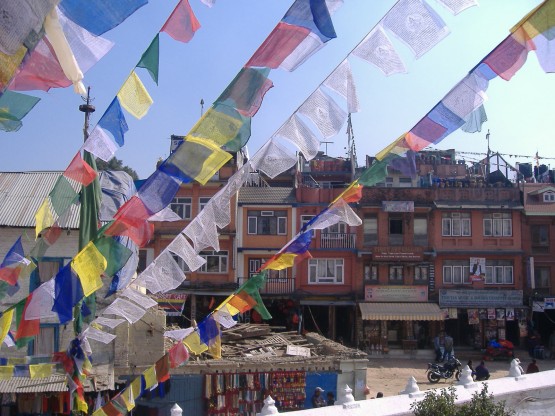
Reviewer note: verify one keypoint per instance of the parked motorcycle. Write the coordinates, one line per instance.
(437, 371)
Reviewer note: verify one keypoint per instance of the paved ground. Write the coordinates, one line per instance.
(390, 375)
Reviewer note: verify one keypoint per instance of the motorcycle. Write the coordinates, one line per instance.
(437, 371)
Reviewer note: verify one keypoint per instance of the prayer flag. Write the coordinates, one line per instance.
(13, 263)
(510, 55)
(473, 122)
(242, 301)
(178, 354)
(99, 16)
(182, 23)
(158, 191)
(324, 112)
(136, 387)
(150, 377)
(424, 133)
(273, 158)
(280, 261)
(457, 6)
(181, 247)
(9, 65)
(162, 275)
(296, 131)
(100, 145)
(308, 47)
(99, 412)
(208, 330)
(313, 15)
(405, 164)
(13, 108)
(541, 21)
(126, 309)
(377, 49)
(115, 254)
(252, 287)
(163, 369)
(215, 349)
(246, 92)
(6, 372)
(194, 344)
(62, 196)
(224, 318)
(113, 120)
(353, 193)
(41, 305)
(80, 171)
(195, 158)
(374, 174)
(441, 115)
(342, 82)
(40, 370)
(150, 58)
(89, 264)
(134, 97)
(5, 323)
(26, 328)
(128, 398)
(67, 293)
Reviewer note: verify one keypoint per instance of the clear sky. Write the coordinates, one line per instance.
(519, 111)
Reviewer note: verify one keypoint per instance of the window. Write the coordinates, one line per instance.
(339, 228)
(541, 277)
(420, 274)
(540, 238)
(396, 274)
(305, 219)
(455, 224)
(395, 231)
(549, 197)
(46, 342)
(456, 272)
(325, 271)
(420, 231)
(498, 225)
(405, 182)
(146, 255)
(267, 222)
(499, 272)
(182, 207)
(371, 231)
(202, 201)
(216, 262)
(256, 264)
(371, 273)
(47, 269)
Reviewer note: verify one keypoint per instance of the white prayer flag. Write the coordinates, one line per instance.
(181, 247)
(341, 81)
(324, 112)
(224, 318)
(273, 159)
(457, 6)
(308, 47)
(140, 299)
(128, 310)
(41, 303)
(100, 144)
(300, 135)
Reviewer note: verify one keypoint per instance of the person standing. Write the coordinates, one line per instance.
(317, 398)
(439, 347)
(449, 349)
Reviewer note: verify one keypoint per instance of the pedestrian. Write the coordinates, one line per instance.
(532, 367)
(449, 349)
(317, 398)
(439, 347)
(330, 401)
(482, 373)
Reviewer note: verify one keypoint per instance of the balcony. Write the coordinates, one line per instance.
(275, 286)
(337, 240)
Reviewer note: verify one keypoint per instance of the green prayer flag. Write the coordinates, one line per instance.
(13, 107)
(116, 254)
(150, 58)
(375, 173)
(62, 196)
(252, 287)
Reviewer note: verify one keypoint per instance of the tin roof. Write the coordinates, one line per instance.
(266, 195)
(54, 383)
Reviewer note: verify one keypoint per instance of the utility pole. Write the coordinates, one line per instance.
(488, 156)
(351, 145)
(87, 109)
(201, 107)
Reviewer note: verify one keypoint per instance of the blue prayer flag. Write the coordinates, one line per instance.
(113, 120)
(67, 293)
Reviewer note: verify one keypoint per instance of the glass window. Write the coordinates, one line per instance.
(456, 272)
(182, 207)
(371, 272)
(455, 224)
(325, 271)
(549, 197)
(421, 273)
(420, 231)
(542, 278)
(539, 235)
(216, 261)
(47, 269)
(202, 201)
(499, 272)
(396, 274)
(46, 342)
(498, 225)
(339, 228)
(267, 222)
(370, 231)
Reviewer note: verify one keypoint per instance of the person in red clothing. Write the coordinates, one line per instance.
(532, 368)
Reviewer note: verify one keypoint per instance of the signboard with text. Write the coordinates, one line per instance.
(483, 298)
(396, 293)
(398, 206)
(402, 253)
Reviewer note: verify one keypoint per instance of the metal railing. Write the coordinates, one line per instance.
(337, 240)
(275, 286)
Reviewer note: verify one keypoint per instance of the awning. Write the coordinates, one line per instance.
(400, 311)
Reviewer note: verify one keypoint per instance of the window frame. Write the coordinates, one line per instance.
(498, 224)
(338, 268)
(456, 224)
(370, 231)
(186, 204)
(208, 254)
(254, 221)
(202, 204)
(395, 274)
(371, 273)
(456, 272)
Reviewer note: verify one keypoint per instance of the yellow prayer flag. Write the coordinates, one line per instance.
(5, 323)
(10, 63)
(539, 20)
(395, 148)
(40, 370)
(217, 127)
(192, 341)
(128, 398)
(82, 405)
(282, 261)
(134, 97)
(89, 265)
(99, 412)
(43, 218)
(150, 377)
(136, 387)
(232, 309)
(215, 350)
(16, 360)
(6, 372)
(221, 305)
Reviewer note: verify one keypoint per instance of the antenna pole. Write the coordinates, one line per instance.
(488, 159)
(87, 109)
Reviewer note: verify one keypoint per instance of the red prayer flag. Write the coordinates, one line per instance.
(283, 40)
(111, 410)
(65, 360)
(52, 234)
(80, 171)
(131, 221)
(242, 301)
(162, 367)
(10, 274)
(178, 355)
(182, 23)
(27, 327)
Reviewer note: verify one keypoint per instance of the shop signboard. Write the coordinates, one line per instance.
(398, 206)
(402, 253)
(396, 293)
(482, 298)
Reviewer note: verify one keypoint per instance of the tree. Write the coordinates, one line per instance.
(443, 404)
(116, 164)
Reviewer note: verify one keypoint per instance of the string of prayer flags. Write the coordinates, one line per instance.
(296, 131)
(150, 59)
(540, 21)
(202, 230)
(182, 23)
(134, 97)
(13, 108)
(13, 263)
(196, 159)
(416, 24)
(324, 112)
(377, 49)
(457, 6)
(99, 16)
(67, 293)
(313, 15)
(341, 81)
(247, 90)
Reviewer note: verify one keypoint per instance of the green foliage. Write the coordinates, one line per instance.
(442, 403)
(115, 164)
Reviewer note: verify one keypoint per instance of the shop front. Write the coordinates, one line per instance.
(474, 318)
(398, 317)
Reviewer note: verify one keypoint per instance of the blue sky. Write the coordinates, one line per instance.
(519, 111)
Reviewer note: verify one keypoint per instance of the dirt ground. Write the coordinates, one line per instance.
(390, 375)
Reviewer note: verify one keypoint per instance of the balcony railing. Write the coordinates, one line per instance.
(337, 240)
(275, 286)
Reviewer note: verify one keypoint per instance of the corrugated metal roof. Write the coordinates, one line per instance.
(266, 195)
(400, 311)
(21, 195)
(54, 383)
(478, 205)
